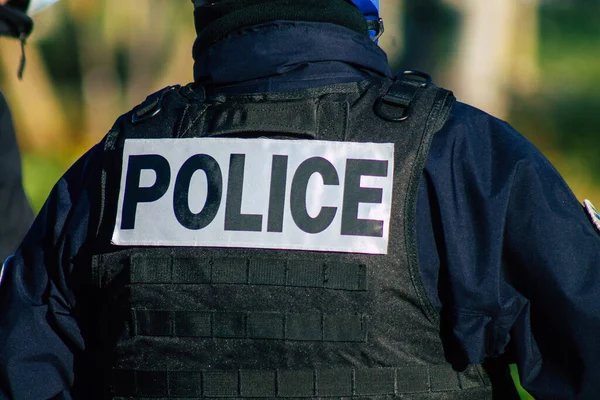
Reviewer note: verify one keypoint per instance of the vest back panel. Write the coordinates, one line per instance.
(203, 322)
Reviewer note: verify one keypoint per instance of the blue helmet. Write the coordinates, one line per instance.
(370, 9)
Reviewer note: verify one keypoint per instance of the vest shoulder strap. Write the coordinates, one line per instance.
(173, 111)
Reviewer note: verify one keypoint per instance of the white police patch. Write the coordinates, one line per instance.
(593, 213)
(256, 193)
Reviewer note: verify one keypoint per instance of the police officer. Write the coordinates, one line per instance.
(297, 224)
(15, 212)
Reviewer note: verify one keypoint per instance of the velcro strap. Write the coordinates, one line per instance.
(246, 325)
(302, 118)
(333, 383)
(298, 117)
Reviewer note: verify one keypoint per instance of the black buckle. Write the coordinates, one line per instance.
(151, 107)
(401, 94)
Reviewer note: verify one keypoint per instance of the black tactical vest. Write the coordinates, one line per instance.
(207, 322)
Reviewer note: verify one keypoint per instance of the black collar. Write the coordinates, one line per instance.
(286, 51)
(219, 19)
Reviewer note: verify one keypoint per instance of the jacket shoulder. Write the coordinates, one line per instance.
(478, 133)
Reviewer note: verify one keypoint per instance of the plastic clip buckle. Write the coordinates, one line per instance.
(151, 107)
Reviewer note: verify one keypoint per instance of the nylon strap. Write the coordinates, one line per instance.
(298, 118)
(301, 118)
(244, 271)
(334, 383)
(314, 327)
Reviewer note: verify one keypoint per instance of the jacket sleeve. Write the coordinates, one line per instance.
(15, 212)
(552, 258)
(39, 335)
(509, 258)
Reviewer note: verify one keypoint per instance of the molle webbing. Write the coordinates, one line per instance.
(315, 327)
(244, 271)
(331, 383)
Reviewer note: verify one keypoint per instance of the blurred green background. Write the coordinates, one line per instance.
(533, 63)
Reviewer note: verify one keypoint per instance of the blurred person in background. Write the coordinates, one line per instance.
(190, 254)
(16, 214)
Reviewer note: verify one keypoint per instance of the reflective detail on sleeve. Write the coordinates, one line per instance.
(592, 213)
(4, 264)
(241, 325)
(332, 383)
(248, 271)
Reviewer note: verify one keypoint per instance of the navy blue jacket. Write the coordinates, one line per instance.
(509, 257)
